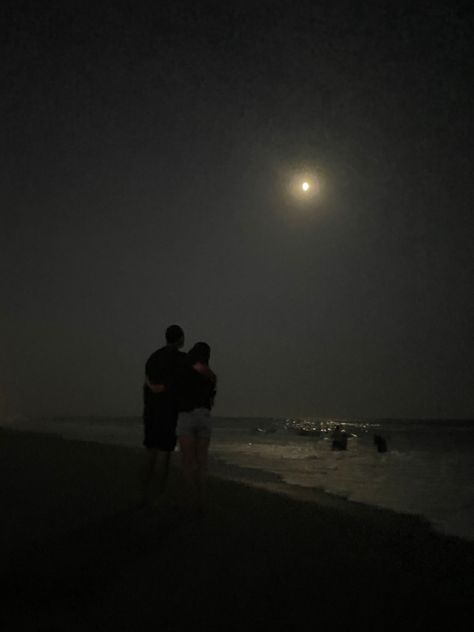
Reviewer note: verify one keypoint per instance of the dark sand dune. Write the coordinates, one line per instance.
(78, 554)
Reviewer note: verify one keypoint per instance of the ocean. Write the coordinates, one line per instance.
(428, 469)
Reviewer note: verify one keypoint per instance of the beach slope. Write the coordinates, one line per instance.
(79, 554)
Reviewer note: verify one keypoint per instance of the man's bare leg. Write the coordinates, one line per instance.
(156, 465)
(187, 446)
(162, 469)
(146, 474)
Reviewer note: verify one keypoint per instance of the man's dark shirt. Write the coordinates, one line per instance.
(163, 367)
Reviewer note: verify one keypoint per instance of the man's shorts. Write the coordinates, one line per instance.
(160, 432)
(195, 423)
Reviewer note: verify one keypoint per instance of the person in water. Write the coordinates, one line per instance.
(381, 443)
(196, 389)
(339, 439)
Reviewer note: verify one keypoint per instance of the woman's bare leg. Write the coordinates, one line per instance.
(187, 445)
(202, 450)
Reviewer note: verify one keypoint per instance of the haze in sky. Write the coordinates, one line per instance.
(150, 153)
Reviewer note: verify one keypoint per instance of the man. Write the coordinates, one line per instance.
(160, 409)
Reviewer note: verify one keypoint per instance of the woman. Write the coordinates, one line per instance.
(196, 390)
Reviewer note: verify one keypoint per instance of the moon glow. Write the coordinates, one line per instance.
(304, 187)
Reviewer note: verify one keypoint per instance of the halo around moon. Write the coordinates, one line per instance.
(304, 186)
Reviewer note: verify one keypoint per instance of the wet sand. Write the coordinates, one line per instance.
(79, 554)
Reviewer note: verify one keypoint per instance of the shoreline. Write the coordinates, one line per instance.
(79, 555)
(261, 479)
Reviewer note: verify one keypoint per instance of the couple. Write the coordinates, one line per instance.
(179, 393)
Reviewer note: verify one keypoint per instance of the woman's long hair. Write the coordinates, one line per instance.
(201, 352)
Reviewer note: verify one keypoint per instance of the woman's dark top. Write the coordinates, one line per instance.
(196, 387)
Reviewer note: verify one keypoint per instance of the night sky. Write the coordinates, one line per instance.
(147, 154)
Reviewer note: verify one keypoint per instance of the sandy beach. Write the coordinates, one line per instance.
(78, 554)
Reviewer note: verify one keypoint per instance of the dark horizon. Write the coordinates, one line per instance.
(332, 419)
(149, 150)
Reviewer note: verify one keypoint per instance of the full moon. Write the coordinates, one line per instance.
(304, 185)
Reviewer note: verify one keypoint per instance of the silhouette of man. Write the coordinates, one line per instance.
(160, 410)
